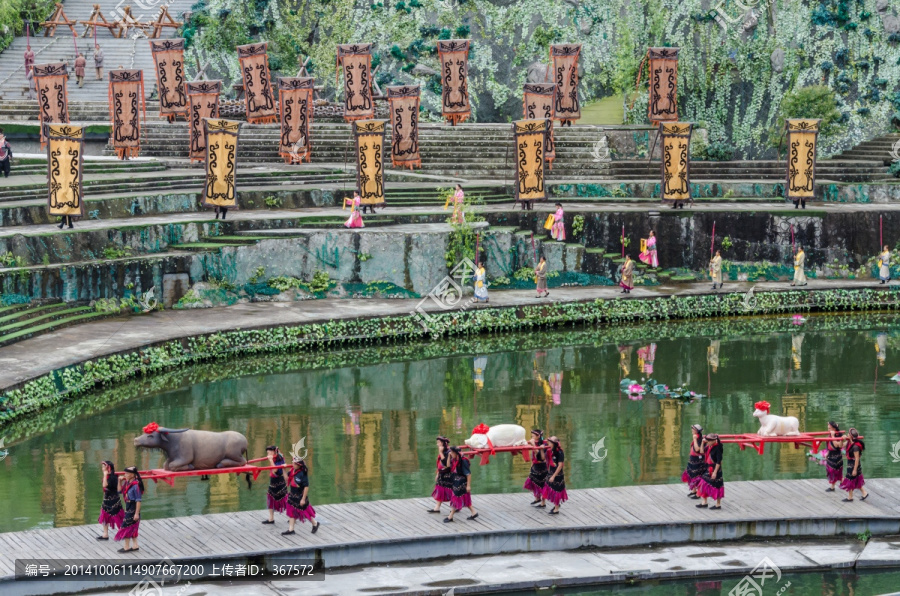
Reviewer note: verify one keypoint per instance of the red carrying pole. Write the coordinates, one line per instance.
(792, 237)
(534, 250)
(622, 241)
(712, 244)
(880, 232)
(477, 238)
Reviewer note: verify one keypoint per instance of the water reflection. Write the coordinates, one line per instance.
(370, 427)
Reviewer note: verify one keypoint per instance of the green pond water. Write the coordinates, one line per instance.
(848, 582)
(369, 416)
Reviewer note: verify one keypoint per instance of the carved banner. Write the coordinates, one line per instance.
(369, 136)
(564, 61)
(404, 111)
(454, 58)
(65, 161)
(52, 94)
(531, 142)
(663, 105)
(203, 102)
(356, 59)
(539, 99)
(258, 92)
(221, 163)
(676, 160)
(802, 134)
(295, 100)
(168, 57)
(126, 102)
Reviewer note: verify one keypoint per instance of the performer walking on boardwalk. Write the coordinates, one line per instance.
(481, 293)
(133, 490)
(443, 478)
(854, 479)
(462, 485)
(555, 489)
(799, 260)
(355, 220)
(715, 269)
(111, 512)
(884, 260)
(649, 255)
(834, 458)
(276, 495)
(537, 477)
(540, 277)
(695, 466)
(712, 484)
(627, 281)
(298, 506)
(558, 230)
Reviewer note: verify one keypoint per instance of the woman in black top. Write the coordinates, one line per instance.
(276, 496)
(712, 483)
(555, 490)
(834, 459)
(111, 512)
(854, 479)
(443, 478)
(462, 485)
(298, 506)
(695, 467)
(537, 477)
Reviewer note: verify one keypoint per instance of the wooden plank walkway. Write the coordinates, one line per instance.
(401, 530)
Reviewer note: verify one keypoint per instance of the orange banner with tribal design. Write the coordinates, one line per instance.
(258, 91)
(454, 58)
(564, 61)
(802, 134)
(65, 164)
(203, 102)
(676, 160)
(663, 105)
(369, 136)
(531, 142)
(295, 101)
(221, 163)
(356, 59)
(126, 103)
(168, 58)
(52, 95)
(539, 99)
(404, 110)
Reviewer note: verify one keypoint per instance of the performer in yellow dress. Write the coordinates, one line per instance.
(799, 275)
(715, 269)
(884, 261)
(627, 281)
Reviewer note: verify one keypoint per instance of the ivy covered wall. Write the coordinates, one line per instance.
(736, 63)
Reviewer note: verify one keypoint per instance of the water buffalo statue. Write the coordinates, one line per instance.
(188, 449)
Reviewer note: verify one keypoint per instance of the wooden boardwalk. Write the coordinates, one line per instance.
(401, 530)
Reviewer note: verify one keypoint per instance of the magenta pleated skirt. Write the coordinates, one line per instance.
(707, 491)
(128, 531)
(441, 493)
(114, 520)
(302, 514)
(853, 483)
(554, 496)
(834, 475)
(535, 488)
(460, 502)
(276, 505)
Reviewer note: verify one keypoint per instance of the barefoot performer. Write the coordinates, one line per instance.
(712, 485)
(462, 485)
(111, 513)
(276, 495)
(834, 458)
(695, 467)
(854, 479)
(537, 477)
(298, 506)
(555, 490)
(133, 490)
(443, 478)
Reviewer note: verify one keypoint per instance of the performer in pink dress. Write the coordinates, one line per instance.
(355, 220)
(695, 467)
(443, 478)
(558, 231)
(649, 255)
(555, 488)
(133, 491)
(459, 196)
(853, 480)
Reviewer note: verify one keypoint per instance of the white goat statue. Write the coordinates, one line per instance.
(774, 426)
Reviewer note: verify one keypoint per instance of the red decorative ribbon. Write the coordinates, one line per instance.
(151, 428)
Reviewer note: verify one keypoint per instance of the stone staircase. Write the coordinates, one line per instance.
(879, 149)
(850, 169)
(21, 321)
(127, 52)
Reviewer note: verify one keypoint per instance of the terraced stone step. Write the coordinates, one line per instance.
(25, 320)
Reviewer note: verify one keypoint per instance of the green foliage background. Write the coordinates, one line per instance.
(726, 76)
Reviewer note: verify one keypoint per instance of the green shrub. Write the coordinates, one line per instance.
(815, 101)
